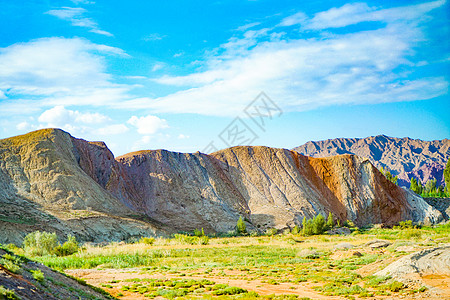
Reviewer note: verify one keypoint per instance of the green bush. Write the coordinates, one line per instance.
(231, 290)
(40, 243)
(38, 275)
(199, 233)
(191, 240)
(7, 294)
(241, 228)
(68, 248)
(316, 225)
(10, 266)
(271, 231)
(406, 225)
(147, 240)
(330, 221)
(296, 230)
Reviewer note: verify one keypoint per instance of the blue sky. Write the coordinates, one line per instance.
(177, 74)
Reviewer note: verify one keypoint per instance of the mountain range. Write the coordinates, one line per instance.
(403, 157)
(52, 181)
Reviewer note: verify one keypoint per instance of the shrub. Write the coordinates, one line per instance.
(395, 286)
(318, 224)
(147, 240)
(199, 233)
(10, 266)
(203, 240)
(68, 248)
(330, 221)
(271, 231)
(241, 228)
(231, 290)
(313, 226)
(38, 275)
(7, 294)
(406, 225)
(40, 243)
(296, 230)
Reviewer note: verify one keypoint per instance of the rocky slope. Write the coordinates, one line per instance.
(405, 157)
(52, 286)
(44, 187)
(52, 181)
(414, 270)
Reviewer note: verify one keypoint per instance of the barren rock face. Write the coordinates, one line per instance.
(43, 187)
(52, 181)
(404, 157)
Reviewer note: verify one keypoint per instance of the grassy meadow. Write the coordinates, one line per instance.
(280, 266)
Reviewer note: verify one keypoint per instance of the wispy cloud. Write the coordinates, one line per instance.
(55, 71)
(153, 37)
(325, 69)
(75, 15)
(247, 26)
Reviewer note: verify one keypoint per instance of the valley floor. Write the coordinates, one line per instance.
(277, 267)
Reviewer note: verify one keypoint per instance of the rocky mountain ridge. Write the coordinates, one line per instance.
(52, 181)
(404, 157)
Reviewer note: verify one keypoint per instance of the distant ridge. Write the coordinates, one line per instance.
(404, 157)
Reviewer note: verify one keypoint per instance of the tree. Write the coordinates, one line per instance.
(241, 228)
(447, 176)
(388, 175)
(416, 186)
(330, 221)
(319, 224)
(430, 187)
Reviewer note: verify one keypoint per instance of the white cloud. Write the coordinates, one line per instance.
(360, 12)
(59, 116)
(24, 126)
(75, 15)
(157, 67)
(355, 67)
(62, 71)
(247, 26)
(113, 129)
(148, 124)
(183, 136)
(153, 37)
(82, 2)
(297, 18)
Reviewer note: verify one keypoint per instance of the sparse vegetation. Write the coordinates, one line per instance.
(147, 240)
(388, 175)
(314, 226)
(241, 228)
(7, 294)
(40, 243)
(270, 260)
(44, 243)
(38, 275)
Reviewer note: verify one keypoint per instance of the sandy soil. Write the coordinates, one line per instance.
(99, 277)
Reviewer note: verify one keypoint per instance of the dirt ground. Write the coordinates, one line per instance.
(98, 277)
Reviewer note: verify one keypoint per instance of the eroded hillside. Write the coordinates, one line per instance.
(52, 181)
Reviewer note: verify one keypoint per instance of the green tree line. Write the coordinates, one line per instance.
(430, 189)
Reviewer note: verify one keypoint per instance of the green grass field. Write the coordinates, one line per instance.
(278, 267)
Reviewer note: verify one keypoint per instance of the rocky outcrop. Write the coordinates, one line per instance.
(52, 181)
(413, 270)
(405, 157)
(43, 187)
